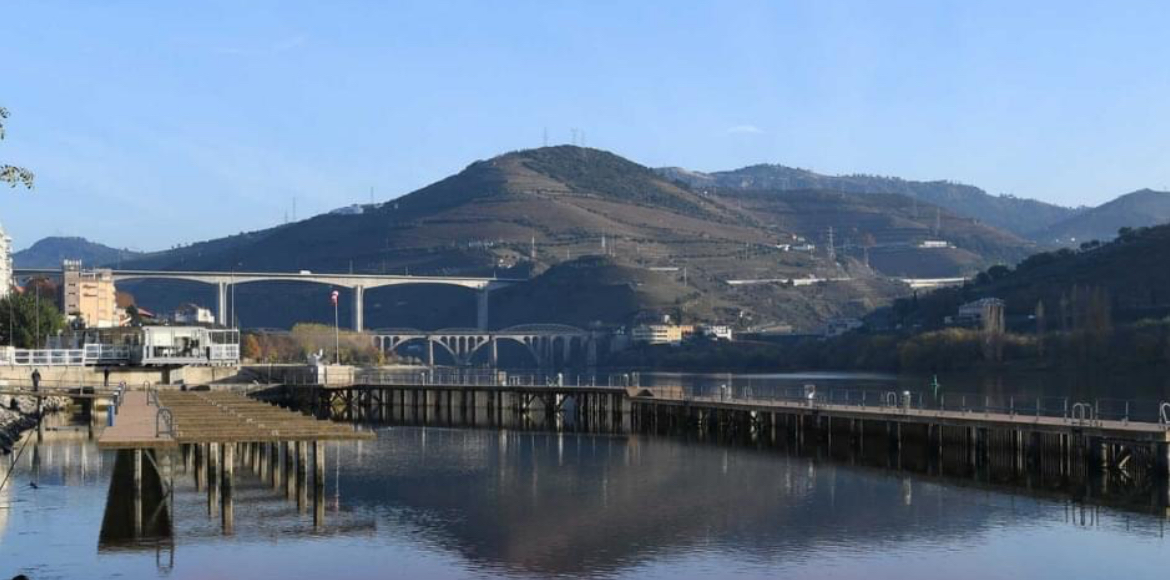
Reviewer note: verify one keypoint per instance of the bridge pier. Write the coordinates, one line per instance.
(359, 300)
(481, 309)
(221, 303)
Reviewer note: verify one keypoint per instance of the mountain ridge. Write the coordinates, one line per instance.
(50, 251)
(1020, 216)
(524, 212)
(1142, 208)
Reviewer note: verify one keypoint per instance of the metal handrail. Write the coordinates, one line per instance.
(164, 415)
(1164, 411)
(1082, 413)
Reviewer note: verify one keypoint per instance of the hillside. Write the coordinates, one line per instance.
(50, 252)
(524, 212)
(1129, 272)
(1017, 215)
(1140, 208)
(888, 229)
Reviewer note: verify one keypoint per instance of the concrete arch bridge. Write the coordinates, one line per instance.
(550, 345)
(357, 283)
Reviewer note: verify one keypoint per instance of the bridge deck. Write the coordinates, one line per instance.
(1124, 430)
(214, 417)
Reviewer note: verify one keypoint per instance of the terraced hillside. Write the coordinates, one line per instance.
(523, 212)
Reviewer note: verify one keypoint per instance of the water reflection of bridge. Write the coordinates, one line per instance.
(550, 345)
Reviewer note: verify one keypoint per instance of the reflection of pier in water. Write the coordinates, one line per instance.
(140, 509)
(994, 466)
(516, 498)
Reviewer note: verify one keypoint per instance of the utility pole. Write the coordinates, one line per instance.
(36, 288)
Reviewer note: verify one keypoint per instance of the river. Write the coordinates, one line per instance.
(426, 501)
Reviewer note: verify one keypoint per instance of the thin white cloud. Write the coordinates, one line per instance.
(744, 130)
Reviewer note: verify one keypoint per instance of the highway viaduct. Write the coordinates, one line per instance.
(358, 283)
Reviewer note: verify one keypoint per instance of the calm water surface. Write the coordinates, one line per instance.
(428, 502)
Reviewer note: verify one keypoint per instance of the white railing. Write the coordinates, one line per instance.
(103, 353)
(225, 352)
(110, 354)
(48, 357)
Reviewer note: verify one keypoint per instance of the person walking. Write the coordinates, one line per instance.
(36, 379)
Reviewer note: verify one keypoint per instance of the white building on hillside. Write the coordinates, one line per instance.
(193, 314)
(5, 262)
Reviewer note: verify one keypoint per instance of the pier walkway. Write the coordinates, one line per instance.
(1102, 433)
(157, 419)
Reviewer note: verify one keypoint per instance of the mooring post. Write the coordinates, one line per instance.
(137, 492)
(227, 511)
(290, 478)
(318, 483)
(302, 474)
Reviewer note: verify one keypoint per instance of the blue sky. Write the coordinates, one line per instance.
(155, 123)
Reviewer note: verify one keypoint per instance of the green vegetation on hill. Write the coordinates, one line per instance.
(1131, 271)
(1141, 208)
(50, 252)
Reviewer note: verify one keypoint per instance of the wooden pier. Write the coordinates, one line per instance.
(1077, 439)
(215, 430)
(1072, 442)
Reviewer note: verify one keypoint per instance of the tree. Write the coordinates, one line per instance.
(252, 349)
(998, 272)
(21, 324)
(12, 174)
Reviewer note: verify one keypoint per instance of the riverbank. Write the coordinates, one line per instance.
(19, 414)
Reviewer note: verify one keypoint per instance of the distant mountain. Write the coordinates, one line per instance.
(1141, 208)
(522, 213)
(50, 252)
(1017, 215)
